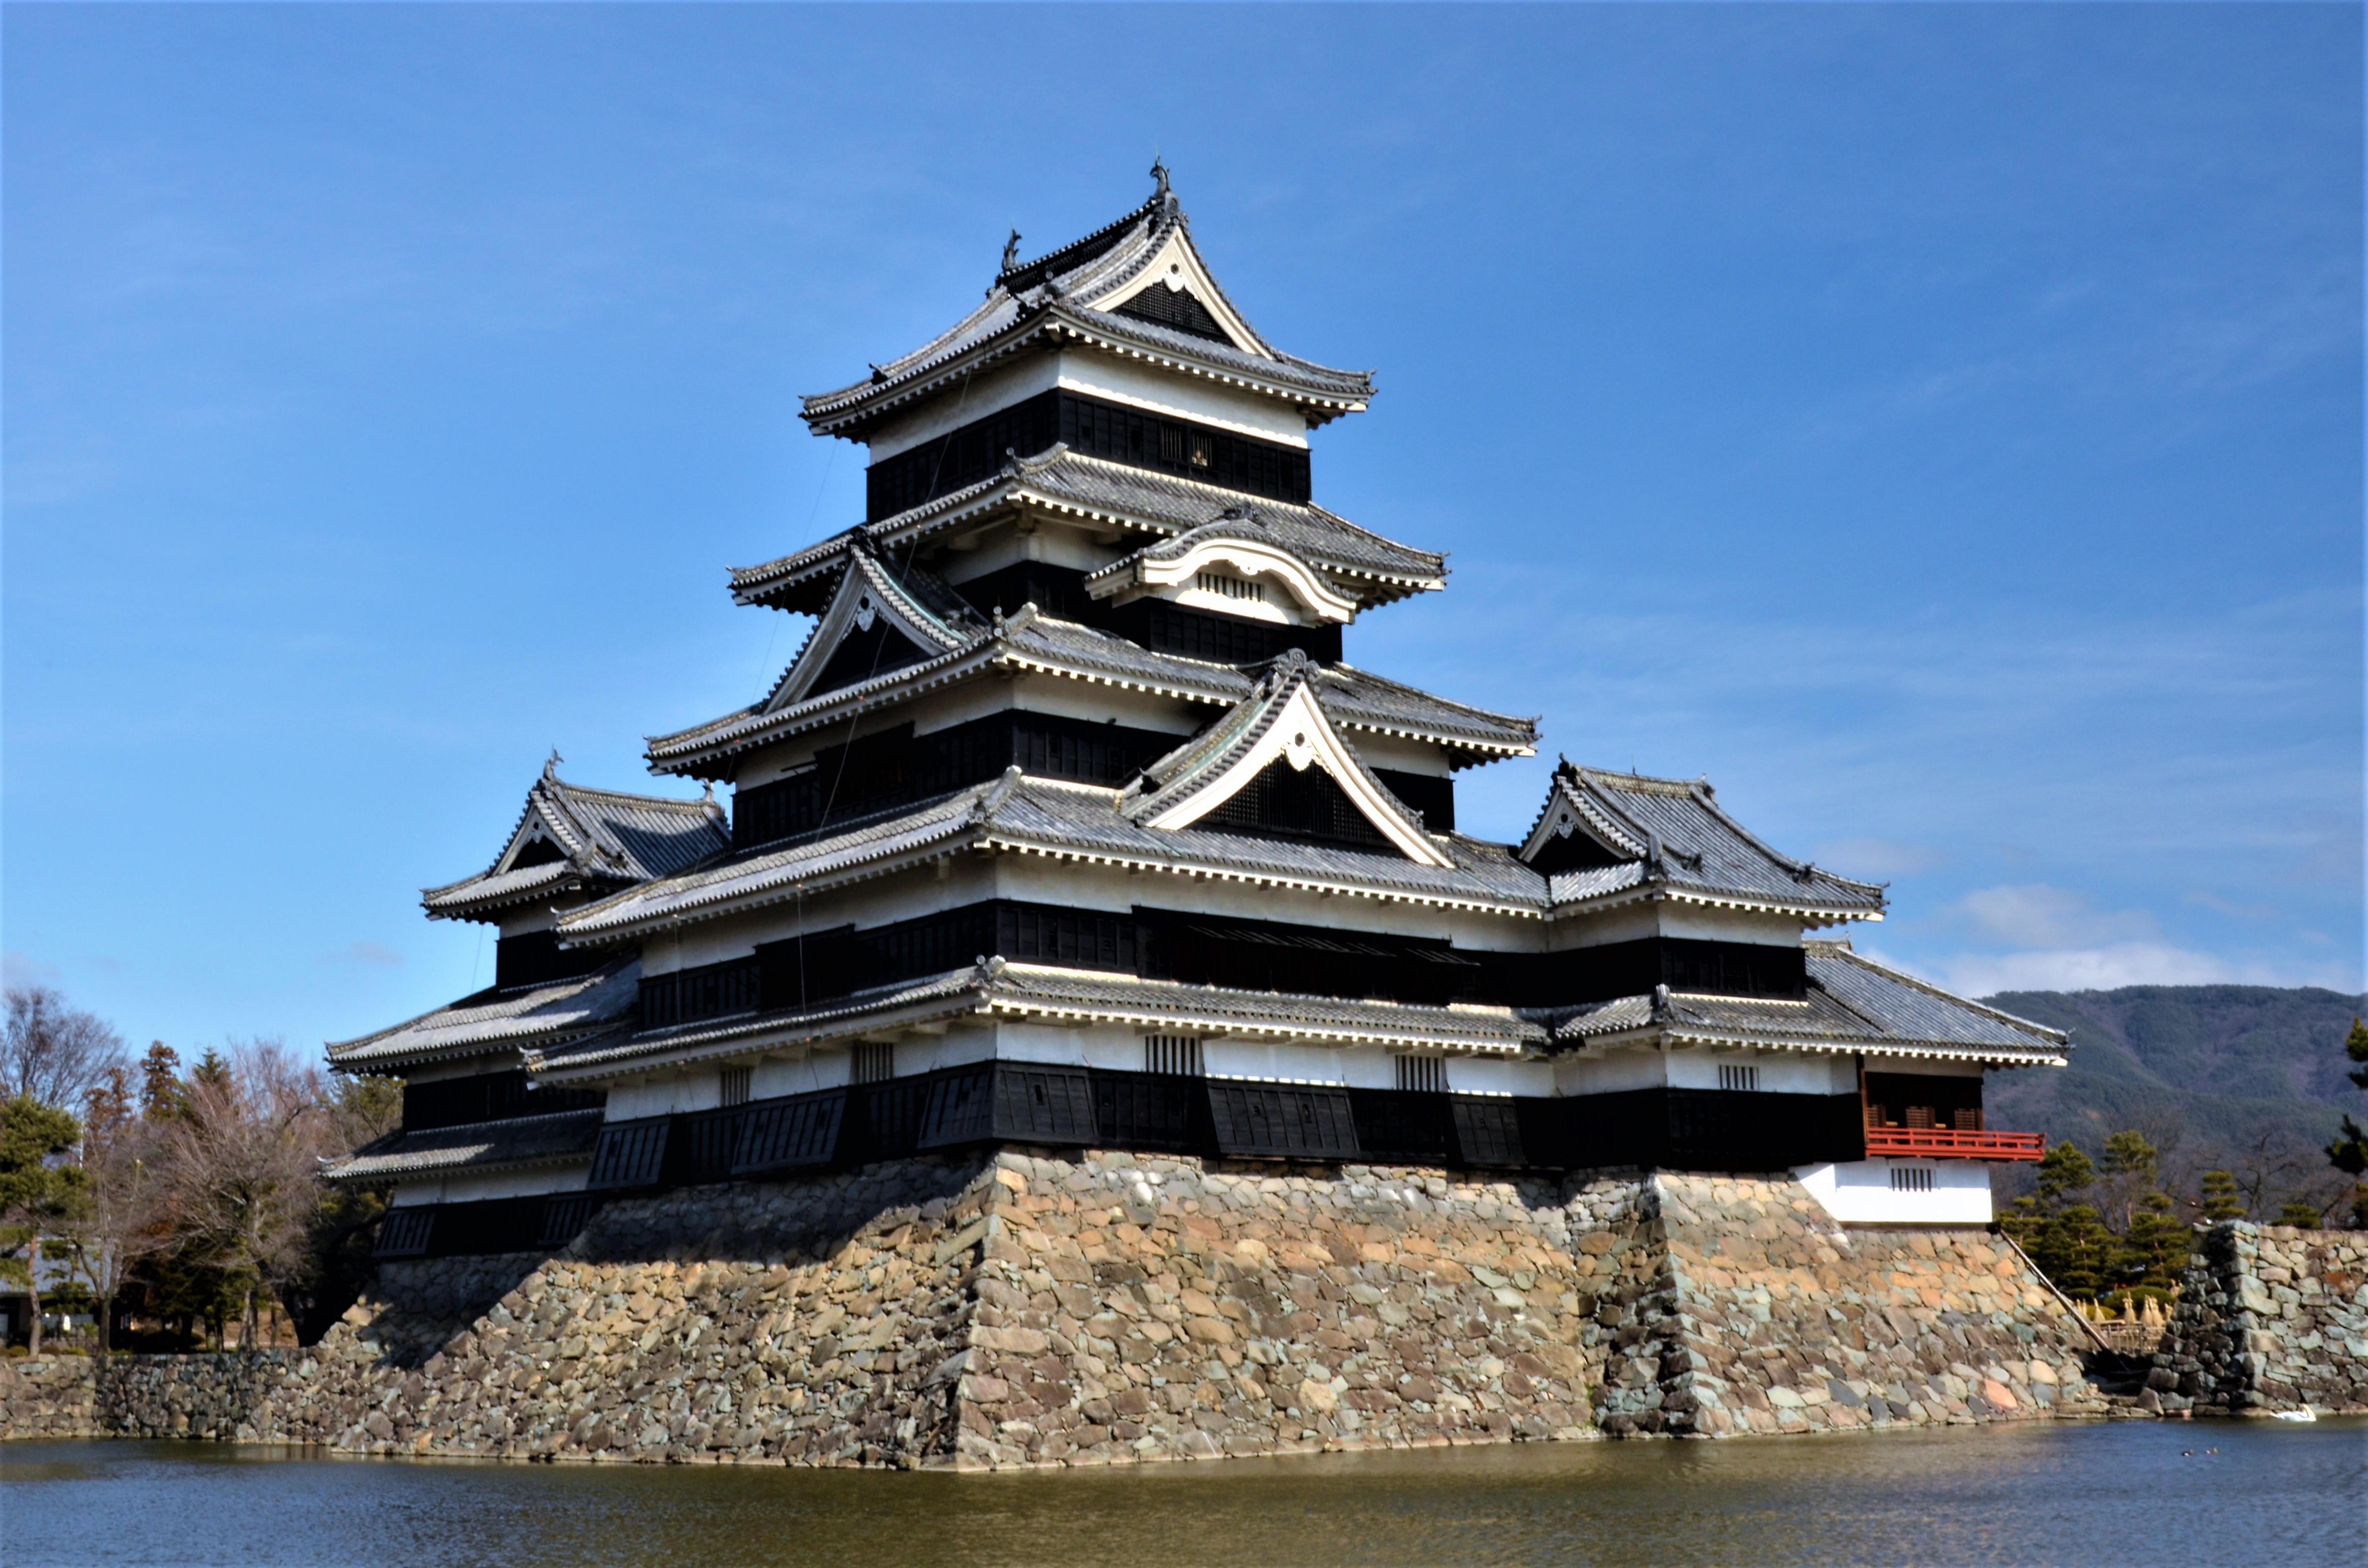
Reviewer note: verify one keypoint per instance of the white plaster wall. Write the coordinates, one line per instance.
(1297, 1064)
(998, 388)
(1628, 922)
(944, 708)
(441, 1071)
(493, 1184)
(1780, 1071)
(1398, 753)
(800, 1075)
(691, 1089)
(1860, 1192)
(1923, 1067)
(1611, 1073)
(1488, 1076)
(1163, 391)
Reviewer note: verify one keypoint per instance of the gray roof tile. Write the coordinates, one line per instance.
(1022, 990)
(498, 1020)
(1677, 837)
(604, 839)
(561, 1137)
(1357, 699)
(1853, 1004)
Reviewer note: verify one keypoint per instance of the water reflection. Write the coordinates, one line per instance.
(2126, 1493)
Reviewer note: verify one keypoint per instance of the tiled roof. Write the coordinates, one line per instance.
(1034, 642)
(1361, 564)
(1853, 1004)
(1230, 743)
(498, 1020)
(561, 1137)
(1018, 991)
(604, 839)
(1674, 837)
(1050, 299)
(1072, 822)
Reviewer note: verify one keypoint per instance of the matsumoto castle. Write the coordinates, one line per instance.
(1074, 823)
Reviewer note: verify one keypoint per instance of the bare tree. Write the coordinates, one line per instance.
(51, 1052)
(241, 1157)
(124, 1211)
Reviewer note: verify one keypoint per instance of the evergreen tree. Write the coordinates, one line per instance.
(2131, 1167)
(2064, 1172)
(38, 1192)
(2155, 1249)
(2221, 1198)
(2295, 1212)
(160, 1081)
(2355, 1045)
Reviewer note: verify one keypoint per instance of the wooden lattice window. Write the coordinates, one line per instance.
(1423, 1075)
(875, 1063)
(1744, 1079)
(736, 1082)
(1174, 1056)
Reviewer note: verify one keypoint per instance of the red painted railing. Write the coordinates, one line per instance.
(1947, 1143)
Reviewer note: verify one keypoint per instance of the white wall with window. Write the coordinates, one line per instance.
(1903, 1192)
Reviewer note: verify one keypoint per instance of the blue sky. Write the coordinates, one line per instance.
(1943, 426)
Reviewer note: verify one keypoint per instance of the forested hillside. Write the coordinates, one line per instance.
(2245, 1078)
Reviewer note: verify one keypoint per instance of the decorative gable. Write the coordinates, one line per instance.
(876, 623)
(1234, 566)
(1248, 773)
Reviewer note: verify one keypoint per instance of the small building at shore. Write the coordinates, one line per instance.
(1073, 824)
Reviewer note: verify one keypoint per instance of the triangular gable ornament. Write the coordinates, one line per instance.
(1291, 727)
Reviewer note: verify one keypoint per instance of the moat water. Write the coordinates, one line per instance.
(2149, 1493)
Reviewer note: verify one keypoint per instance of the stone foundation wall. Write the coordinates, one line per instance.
(2268, 1318)
(50, 1396)
(1019, 1310)
(1745, 1308)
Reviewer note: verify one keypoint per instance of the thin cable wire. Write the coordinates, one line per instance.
(845, 748)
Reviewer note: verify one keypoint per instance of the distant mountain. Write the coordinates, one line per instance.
(2246, 1078)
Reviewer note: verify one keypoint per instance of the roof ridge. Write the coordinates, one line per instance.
(1849, 955)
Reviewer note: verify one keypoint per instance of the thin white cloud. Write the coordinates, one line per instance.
(23, 969)
(1877, 857)
(2037, 916)
(364, 952)
(2116, 964)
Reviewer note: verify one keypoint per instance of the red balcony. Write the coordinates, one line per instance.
(1952, 1143)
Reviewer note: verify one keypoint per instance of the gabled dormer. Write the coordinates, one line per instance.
(571, 845)
(1234, 566)
(1123, 344)
(880, 619)
(1610, 836)
(1276, 766)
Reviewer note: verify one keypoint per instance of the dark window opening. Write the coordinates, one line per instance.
(863, 654)
(1433, 797)
(896, 767)
(707, 991)
(537, 852)
(1291, 803)
(1177, 309)
(1167, 627)
(487, 1096)
(1108, 430)
(1912, 1099)
(535, 958)
(1573, 851)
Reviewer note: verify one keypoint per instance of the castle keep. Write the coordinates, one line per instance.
(1073, 824)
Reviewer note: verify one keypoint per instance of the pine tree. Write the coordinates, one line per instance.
(2221, 1197)
(160, 1081)
(2155, 1249)
(36, 1195)
(2295, 1212)
(2355, 1045)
